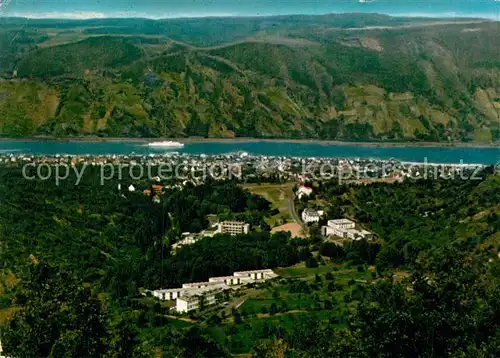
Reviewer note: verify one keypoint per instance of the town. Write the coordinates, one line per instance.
(182, 168)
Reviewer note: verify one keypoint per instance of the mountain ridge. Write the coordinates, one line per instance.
(423, 83)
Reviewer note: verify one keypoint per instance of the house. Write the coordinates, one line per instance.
(303, 191)
(233, 227)
(310, 216)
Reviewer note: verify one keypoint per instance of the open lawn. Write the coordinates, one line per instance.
(280, 196)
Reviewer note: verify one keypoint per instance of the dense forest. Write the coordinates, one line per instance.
(72, 268)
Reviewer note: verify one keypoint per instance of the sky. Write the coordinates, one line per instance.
(82, 9)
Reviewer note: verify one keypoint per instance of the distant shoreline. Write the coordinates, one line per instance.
(251, 140)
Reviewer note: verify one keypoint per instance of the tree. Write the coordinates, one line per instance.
(449, 304)
(58, 317)
(311, 262)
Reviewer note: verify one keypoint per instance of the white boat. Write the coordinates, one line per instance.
(166, 144)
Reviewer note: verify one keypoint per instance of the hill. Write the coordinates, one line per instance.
(344, 77)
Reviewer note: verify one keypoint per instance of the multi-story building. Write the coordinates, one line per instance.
(342, 224)
(188, 297)
(345, 229)
(228, 280)
(233, 227)
(203, 297)
(310, 216)
(255, 275)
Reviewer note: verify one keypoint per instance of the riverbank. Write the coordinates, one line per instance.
(252, 140)
(272, 148)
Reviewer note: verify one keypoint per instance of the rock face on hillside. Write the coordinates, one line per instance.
(293, 78)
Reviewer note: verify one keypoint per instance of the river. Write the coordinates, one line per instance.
(407, 153)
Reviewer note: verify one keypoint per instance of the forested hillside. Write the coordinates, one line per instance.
(345, 77)
(73, 266)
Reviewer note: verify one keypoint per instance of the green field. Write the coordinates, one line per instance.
(279, 195)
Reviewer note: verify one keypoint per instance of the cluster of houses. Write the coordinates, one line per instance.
(230, 227)
(346, 229)
(196, 295)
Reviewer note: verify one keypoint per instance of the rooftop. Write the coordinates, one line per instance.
(310, 211)
(342, 221)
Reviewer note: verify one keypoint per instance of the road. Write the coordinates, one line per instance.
(291, 208)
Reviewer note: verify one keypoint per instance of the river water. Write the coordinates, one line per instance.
(468, 155)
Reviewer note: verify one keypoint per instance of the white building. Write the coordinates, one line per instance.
(303, 191)
(342, 224)
(188, 239)
(256, 274)
(168, 294)
(187, 297)
(228, 280)
(310, 216)
(345, 229)
(197, 285)
(233, 227)
(205, 297)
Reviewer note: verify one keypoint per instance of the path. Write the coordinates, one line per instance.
(185, 319)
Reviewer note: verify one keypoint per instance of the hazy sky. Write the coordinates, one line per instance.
(193, 8)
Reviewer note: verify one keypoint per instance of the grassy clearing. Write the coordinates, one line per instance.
(279, 196)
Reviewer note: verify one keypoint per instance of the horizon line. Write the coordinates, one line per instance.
(91, 15)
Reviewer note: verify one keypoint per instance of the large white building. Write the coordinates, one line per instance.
(233, 227)
(255, 275)
(207, 296)
(189, 295)
(345, 229)
(342, 223)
